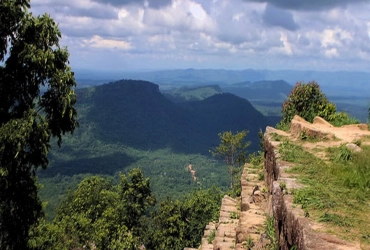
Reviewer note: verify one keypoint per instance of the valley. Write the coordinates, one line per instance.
(127, 124)
(163, 129)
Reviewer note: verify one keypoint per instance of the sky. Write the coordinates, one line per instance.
(126, 35)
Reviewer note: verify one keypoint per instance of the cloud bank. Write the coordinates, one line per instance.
(272, 34)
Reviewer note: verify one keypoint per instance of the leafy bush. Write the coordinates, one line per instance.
(307, 101)
(342, 118)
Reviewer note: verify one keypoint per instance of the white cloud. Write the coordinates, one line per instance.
(101, 43)
(287, 48)
(182, 15)
(335, 38)
(330, 38)
(197, 11)
(331, 53)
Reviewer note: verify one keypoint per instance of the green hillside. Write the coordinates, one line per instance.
(128, 124)
(266, 96)
(186, 94)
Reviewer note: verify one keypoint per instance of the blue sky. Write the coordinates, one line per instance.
(129, 35)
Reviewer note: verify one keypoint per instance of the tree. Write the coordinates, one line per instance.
(232, 150)
(198, 209)
(36, 103)
(307, 100)
(90, 217)
(136, 198)
(179, 224)
(99, 215)
(169, 227)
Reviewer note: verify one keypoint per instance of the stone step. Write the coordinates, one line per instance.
(252, 214)
(233, 233)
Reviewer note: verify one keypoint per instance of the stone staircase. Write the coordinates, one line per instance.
(241, 221)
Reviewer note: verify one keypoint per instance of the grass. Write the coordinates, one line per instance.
(340, 154)
(271, 234)
(248, 244)
(261, 176)
(336, 192)
(342, 118)
(234, 215)
(211, 236)
(276, 137)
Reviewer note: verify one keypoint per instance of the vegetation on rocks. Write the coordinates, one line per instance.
(335, 192)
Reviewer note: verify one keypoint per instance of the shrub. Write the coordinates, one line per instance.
(307, 100)
(342, 118)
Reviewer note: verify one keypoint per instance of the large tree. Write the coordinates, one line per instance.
(36, 103)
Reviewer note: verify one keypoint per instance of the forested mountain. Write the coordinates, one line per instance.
(197, 93)
(348, 90)
(266, 96)
(137, 114)
(129, 123)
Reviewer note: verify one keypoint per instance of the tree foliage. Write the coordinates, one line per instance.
(136, 197)
(232, 149)
(180, 223)
(307, 100)
(99, 215)
(36, 103)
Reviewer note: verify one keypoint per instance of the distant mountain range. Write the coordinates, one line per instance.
(186, 94)
(333, 83)
(350, 91)
(137, 114)
(267, 91)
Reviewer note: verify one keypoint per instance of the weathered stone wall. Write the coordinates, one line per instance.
(292, 227)
(287, 224)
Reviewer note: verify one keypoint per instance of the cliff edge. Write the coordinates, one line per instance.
(242, 223)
